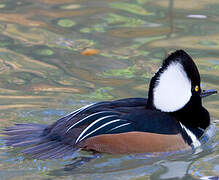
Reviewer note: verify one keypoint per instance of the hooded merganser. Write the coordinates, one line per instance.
(172, 118)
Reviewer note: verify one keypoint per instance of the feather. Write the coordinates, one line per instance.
(91, 118)
(100, 126)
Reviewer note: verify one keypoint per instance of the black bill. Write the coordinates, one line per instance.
(209, 92)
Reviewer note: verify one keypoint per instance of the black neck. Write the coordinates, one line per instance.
(194, 118)
(193, 114)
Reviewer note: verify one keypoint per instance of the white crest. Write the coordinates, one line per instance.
(173, 89)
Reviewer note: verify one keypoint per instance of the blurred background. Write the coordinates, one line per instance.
(56, 56)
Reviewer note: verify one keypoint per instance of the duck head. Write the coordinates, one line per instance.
(175, 89)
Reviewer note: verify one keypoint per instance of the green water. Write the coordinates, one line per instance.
(43, 75)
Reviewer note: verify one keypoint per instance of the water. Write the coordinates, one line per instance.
(43, 75)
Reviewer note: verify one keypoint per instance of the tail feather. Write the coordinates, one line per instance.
(26, 134)
(44, 147)
(20, 132)
(67, 152)
(25, 126)
(35, 143)
(51, 153)
(21, 142)
(27, 142)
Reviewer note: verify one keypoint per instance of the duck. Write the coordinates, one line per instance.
(171, 118)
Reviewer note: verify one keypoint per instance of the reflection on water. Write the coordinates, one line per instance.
(44, 74)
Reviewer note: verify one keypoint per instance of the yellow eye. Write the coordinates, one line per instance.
(196, 88)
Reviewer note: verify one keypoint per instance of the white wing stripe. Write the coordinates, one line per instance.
(119, 126)
(74, 113)
(75, 124)
(84, 131)
(80, 138)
